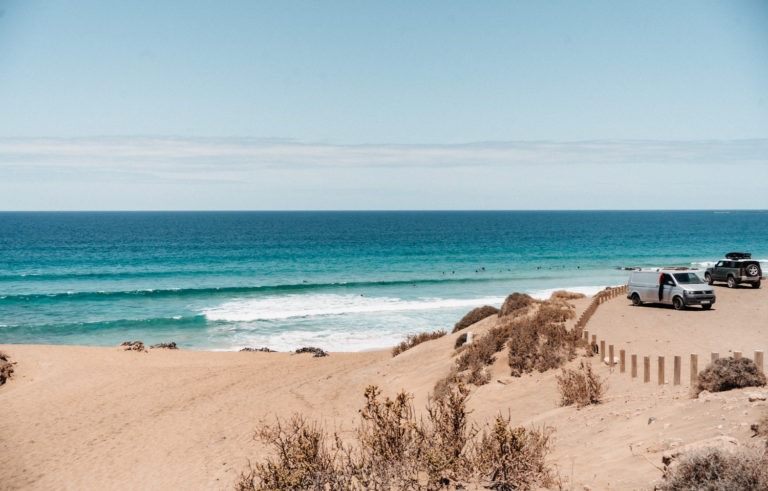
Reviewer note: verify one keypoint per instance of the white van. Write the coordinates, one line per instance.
(670, 286)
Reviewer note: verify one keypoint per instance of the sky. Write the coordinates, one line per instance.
(350, 105)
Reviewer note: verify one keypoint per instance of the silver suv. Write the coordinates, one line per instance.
(737, 267)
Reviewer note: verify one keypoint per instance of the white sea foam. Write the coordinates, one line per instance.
(296, 306)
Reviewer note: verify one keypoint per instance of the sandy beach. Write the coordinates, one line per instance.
(85, 418)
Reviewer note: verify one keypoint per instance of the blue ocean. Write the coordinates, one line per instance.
(341, 281)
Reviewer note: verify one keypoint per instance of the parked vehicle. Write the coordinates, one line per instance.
(736, 268)
(678, 287)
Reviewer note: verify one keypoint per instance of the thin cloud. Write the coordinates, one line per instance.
(233, 159)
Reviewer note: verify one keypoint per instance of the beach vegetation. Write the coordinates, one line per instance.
(566, 296)
(729, 373)
(581, 386)
(6, 368)
(394, 449)
(515, 303)
(761, 428)
(474, 316)
(316, 352)
(415, 339)
(263, 349)
(133, 346)
(718, 469)
(514, 458)
(171, 345)
(543, 342)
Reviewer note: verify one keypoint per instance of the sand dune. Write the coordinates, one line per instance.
(94, 418)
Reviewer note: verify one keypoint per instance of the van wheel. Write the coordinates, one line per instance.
(731, 282)
(706, 306)
(678, 303)
(636, 300)
(708, 278)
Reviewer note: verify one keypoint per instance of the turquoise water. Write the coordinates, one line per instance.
(342, 281)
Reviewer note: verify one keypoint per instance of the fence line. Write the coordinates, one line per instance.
(608, 355)
(600, 297)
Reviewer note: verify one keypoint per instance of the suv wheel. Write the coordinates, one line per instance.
(708, 278)
(731, 282)
(678, 303)
(756, 284)
(752, 270)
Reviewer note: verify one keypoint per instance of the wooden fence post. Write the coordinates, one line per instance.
(694, 369)
(661, 370)
(634, 365)
(737, 355)
(646, 369)
(622, 361)
(714, 356)
(610, 356)
(602, 348)
(759, 360)
(678, 367)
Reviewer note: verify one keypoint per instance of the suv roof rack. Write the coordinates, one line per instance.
(738, 255)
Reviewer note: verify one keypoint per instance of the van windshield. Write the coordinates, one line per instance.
(688, 278)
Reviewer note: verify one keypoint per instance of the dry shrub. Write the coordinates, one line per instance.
(6, 368)
(522, 346)
(542, 343)
(304, 460)
(474, 358)
(566, 296)
(555, 311)
(514, 458)
(394, 450)
(718, 469)
(449, 436)
(761, 428)
(474, 316)
(515, 303)
(413, 339)
(581, 387)
(460, 341)
(730, 373)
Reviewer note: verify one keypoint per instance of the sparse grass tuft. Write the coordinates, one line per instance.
(474, 316)
(414, 339)
(730, 373)
(581, 387)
